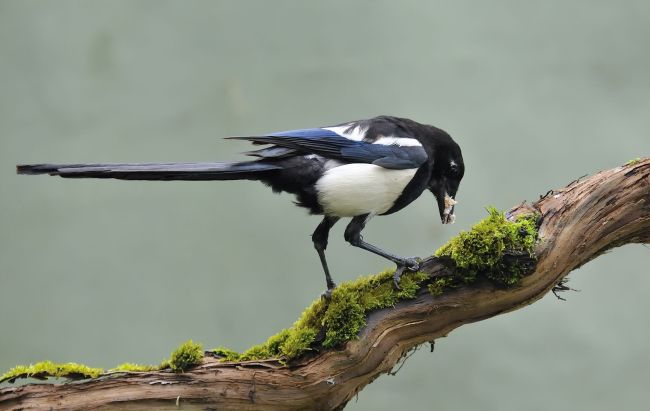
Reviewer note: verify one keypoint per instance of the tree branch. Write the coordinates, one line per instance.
(578, 223)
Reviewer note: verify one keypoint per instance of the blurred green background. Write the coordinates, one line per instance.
(102, 272)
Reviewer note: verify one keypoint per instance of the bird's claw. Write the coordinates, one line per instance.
(412, 263)
(408, 264)
(327, 294)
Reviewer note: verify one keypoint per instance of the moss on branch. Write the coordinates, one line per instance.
(131, 367)
(44, 369)
(187, 355)
(498, 248)
(493, 248)
(341, 318)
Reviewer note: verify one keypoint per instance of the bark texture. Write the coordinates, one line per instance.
(579, 222)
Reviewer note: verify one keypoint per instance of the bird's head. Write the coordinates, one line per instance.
(448, 171)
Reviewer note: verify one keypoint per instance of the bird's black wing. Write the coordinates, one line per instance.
(329, 144)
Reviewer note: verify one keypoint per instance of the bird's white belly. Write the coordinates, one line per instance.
(356, 189)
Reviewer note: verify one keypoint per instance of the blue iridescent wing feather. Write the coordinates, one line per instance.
(327, 143)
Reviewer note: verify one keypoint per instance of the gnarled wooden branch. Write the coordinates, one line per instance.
(579, 222)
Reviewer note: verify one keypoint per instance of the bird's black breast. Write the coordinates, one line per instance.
(413, 189)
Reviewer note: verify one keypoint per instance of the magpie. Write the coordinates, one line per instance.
(357, 169)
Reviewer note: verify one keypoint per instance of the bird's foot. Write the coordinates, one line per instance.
(327, 294)
(407, 264)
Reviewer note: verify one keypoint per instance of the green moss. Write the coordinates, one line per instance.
(290, 342)
(350, 303)
(439, 285)
(276, 342)
(44, 369)
(287, 344)
(297, 342)
(410, 284)
(300, 337)
(226, 354)
(493, 248)
(633, 162)
(130, 367)
(341, 318)
(184, 357)
(187, 355)
(344, 318)
(496, 248)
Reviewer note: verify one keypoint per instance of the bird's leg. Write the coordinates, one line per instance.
(320, 244)
(353, 236)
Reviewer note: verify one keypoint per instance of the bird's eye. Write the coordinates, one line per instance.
(453, 167)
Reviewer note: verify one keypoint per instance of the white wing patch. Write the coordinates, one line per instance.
(358, 134)
(398, 141)
(356, 189)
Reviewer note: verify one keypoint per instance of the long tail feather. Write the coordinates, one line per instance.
(153, 171)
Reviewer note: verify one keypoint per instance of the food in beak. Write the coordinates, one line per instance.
(448, 216)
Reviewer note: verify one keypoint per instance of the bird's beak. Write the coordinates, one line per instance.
(448, 216)
(446, 204)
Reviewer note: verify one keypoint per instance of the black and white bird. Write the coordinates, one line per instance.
(357, 169)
